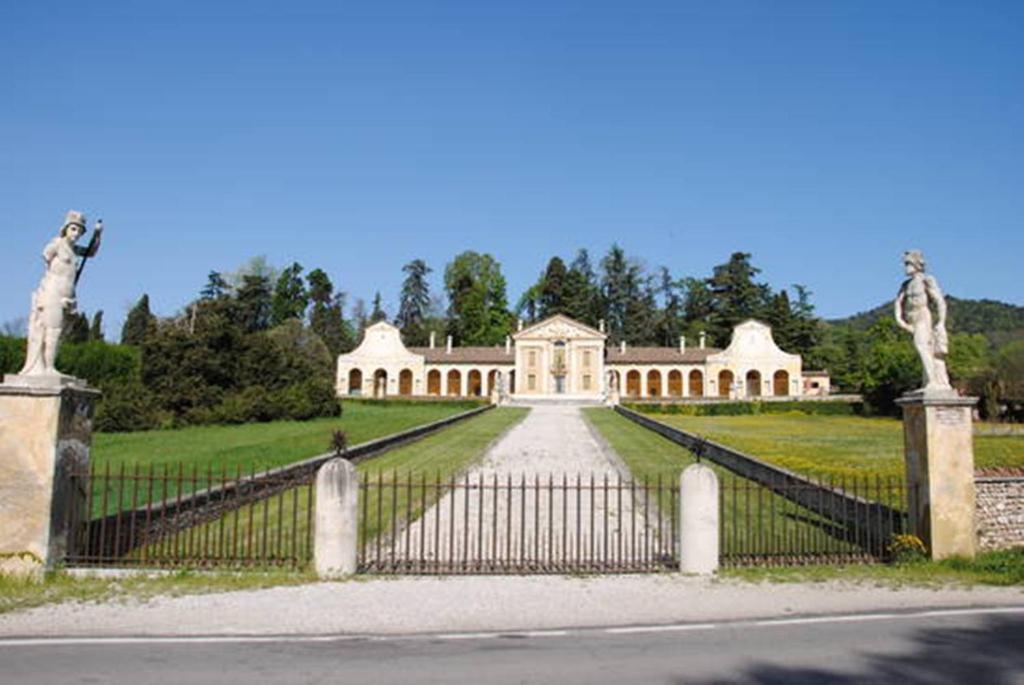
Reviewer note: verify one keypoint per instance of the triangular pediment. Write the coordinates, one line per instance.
(559, 327)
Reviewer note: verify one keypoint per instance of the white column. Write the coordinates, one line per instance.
(335, 527)
(698, 520)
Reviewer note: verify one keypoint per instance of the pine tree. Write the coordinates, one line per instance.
(326, 316)
(290, 298)
(414, 303)
(581, 293)
(138, 323)
(216, 287)
(735, 295)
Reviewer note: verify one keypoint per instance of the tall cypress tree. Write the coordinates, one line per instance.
(326, 316)
(552, 290)
(138, 323)
(378, 313)
(96, 327)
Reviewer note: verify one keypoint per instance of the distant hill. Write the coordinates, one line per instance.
(999, 321)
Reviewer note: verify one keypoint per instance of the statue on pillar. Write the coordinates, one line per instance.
(913, 310)
(54, 300)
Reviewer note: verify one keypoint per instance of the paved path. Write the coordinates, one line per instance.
(550, 495)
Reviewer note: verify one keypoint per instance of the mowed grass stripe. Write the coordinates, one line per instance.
(262, 445)
(754, 520)
(272, 530)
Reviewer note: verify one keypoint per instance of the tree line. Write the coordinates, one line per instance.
(260, 343)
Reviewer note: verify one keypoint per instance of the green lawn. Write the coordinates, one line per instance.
(832, 446)
(279, 527)
(262, 445)
(755, 522)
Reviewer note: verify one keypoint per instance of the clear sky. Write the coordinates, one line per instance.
(823, 137)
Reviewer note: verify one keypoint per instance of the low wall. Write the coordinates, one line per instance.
(114, 534)
(1000, 515)
(833, 503)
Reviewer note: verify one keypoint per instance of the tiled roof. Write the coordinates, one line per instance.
(465, 355)
(659, 355)
(815, 373)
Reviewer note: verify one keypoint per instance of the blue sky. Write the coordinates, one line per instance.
(825, 138)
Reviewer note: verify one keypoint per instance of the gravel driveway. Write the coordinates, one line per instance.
(550, 495)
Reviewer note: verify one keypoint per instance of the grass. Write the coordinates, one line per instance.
(1005, 568)
(263, 445)
(277, 529)
(17, 593)
(754, 521)
(832, 446)
(207, 455)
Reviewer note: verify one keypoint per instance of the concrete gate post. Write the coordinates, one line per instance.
(45, 435)
(698, 520)
(336, 530)
(939, 453)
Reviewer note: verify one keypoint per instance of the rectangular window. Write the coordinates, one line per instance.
(586, 358)
(533, 358)
(586, 382)
(531, 382)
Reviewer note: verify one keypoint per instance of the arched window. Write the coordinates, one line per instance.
(492, 381)
(405, 382)
(753, 383)
(512, 382)
(454, 383)
(355, 382)
(675, 384)
(780, 383)
(725, 380)
(475, 383)
(434, 382)
(696, 384)
(653, 383)
(633, 383)
(380, 383)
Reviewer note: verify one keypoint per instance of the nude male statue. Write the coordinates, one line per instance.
(914, 314)
(54, 299)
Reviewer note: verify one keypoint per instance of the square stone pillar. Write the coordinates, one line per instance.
(45, 434)
(939, 453)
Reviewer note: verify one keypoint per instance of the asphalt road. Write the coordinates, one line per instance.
(961, 646)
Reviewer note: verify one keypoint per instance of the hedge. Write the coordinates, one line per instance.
(748, 408)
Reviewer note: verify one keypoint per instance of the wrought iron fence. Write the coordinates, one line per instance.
(173, 516)
(846, 520)
(504, 523)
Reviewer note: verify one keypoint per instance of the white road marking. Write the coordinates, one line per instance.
(625, 630)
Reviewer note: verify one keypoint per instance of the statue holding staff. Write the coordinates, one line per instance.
(54, 300)
(914, 314)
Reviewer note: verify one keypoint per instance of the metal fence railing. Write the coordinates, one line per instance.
(175, 516)
(845, 520)
(504, 523)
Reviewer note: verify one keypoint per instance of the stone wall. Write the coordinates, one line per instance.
(1000, 516)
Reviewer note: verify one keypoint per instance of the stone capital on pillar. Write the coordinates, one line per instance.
(45, 435)
(939, 454)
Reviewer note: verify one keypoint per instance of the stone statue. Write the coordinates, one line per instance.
(54, 300)
(913, 314)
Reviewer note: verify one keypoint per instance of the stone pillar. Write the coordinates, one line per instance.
(45, 434)
(698, 520)
(336, 532)
(939, 453)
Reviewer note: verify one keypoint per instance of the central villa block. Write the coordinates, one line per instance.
(561, 357)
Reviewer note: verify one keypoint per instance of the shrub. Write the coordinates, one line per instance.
(906, 549)
(749, 408)
(126, 407)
